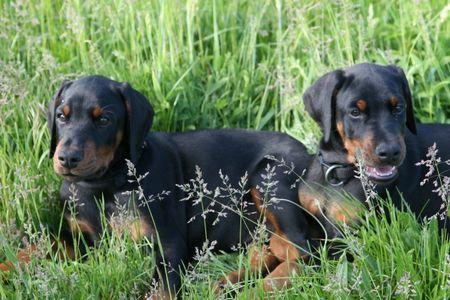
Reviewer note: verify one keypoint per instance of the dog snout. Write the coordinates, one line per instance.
(70, 158)
(388, 153)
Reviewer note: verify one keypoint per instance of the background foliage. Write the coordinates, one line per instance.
(211, 64)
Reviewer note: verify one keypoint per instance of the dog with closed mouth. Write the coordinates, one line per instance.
(97, 124)
(366, 112)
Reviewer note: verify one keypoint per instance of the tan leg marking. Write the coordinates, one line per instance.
(261, 260)
(280, 277)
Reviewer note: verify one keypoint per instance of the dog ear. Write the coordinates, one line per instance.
(139, 119)
(410, 118)
(54, 103)
(320, 103)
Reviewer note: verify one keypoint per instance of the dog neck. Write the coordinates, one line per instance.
(335, 168)
(335, 173)
(115, 177)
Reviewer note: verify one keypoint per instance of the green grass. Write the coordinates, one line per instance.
(211, 64)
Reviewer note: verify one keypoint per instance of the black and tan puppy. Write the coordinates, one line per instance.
(367, 109)
(97, 123)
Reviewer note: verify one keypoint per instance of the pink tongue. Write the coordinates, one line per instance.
(381, 171)
(384, 171)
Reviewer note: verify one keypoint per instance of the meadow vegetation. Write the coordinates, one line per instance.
(211, 64)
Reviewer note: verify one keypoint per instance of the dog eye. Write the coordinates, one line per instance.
(355, 113)
(398, 109)
(103, 120)
(61, 117)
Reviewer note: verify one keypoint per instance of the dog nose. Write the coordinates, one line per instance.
(70, 159)
(388, 153)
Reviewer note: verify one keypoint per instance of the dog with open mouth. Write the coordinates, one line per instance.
(366, 114)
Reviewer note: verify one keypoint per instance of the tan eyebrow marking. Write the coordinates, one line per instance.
(97, 112)
(361, 104)
(66, 110)
(393, 101)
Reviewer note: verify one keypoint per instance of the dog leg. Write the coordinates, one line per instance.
(261, 260)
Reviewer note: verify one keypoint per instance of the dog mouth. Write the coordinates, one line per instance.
(74, 175)
(383, 174)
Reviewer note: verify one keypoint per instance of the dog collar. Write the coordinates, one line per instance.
(336, 174)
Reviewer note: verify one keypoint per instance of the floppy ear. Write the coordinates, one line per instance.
(139, 119)
(54, 103)
(410, 118)
(320, 103)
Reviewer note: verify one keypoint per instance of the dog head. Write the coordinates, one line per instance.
(364, 108)
(93, 122)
